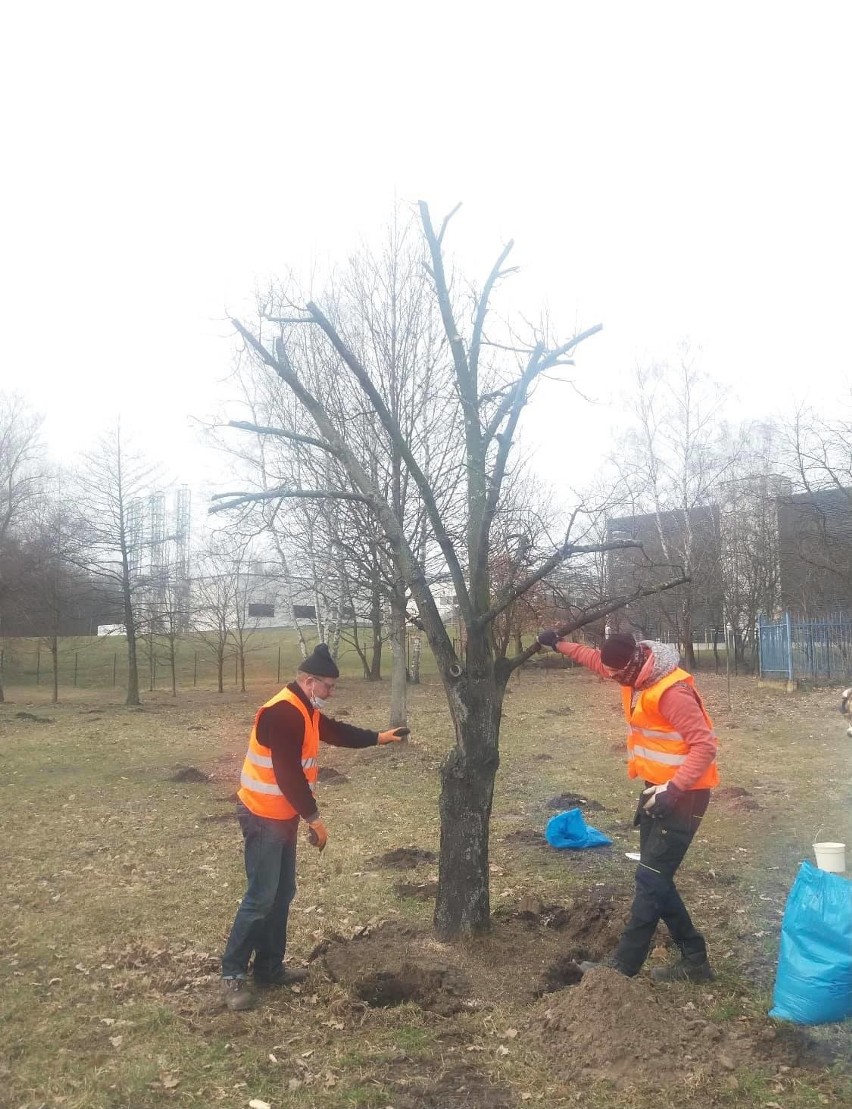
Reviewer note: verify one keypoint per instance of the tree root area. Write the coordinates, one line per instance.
(595, 1028)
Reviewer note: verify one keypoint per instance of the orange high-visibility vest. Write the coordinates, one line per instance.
(259, 790)
(656, 749)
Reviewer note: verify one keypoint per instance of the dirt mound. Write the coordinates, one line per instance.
(559, 712)
(393, 965)
(33, 718)
(404, 858)
(619, 1029)
(331, 777)
(626, 1032)
(589, 927)
(574, 801)
(440, 989)
(421, 891)
(735, 799)
(528, 952)
(190, 774)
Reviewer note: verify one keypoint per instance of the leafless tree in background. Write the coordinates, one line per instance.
(21, 474)
(110, 478)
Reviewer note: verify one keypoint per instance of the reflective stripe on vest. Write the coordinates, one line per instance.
(259, 790)
(656, 750)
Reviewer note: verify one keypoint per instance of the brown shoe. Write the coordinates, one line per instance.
(237, 994)
(284, 976)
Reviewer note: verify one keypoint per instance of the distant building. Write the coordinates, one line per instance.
(673, 544)
(815, 551)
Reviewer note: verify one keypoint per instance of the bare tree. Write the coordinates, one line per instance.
(20, 486)
(677, 460)
(492, 384)
(111, 481)
(383, 307)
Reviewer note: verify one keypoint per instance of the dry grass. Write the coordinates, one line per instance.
(120, 886)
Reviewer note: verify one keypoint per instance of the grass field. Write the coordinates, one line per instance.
(120, 884)
(90, 662)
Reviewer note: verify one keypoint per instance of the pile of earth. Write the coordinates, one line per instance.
(532, 949)
(628, 1033)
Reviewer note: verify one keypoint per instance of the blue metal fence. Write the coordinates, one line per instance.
(813, 650)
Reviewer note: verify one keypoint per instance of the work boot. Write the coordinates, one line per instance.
(685, 970)
(283, 976)
(237, 994)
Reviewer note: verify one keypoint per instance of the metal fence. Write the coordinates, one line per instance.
(811, 650)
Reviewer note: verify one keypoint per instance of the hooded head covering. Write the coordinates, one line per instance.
(638, 663)
(319, 663)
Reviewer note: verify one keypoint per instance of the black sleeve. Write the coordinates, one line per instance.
(282, 729)
(338, 734)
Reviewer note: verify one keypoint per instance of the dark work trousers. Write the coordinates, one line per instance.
(663, 843)
(260, 925)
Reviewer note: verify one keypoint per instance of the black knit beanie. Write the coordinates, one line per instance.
(319, 663)
(618, 650)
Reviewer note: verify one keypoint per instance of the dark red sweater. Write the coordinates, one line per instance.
(281, 728)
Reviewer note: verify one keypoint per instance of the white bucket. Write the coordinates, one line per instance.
(831, 857)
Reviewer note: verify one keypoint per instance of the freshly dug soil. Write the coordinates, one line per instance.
(404, 858)
(574, 801)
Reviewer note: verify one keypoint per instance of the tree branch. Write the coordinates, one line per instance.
(282, 433)
(392, 428)
(482, 310)
(592, 615)
(283, 493)
(566, 551)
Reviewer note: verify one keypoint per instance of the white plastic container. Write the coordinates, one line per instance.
(831, 857)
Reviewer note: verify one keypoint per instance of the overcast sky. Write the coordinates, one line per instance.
(671, 170)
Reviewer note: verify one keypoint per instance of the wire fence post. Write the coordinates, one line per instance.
(76, 659)
(789, 624)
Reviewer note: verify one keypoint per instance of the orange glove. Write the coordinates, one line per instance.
(317, 834)
(394, 735)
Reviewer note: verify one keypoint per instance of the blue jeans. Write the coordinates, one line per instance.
(260, 925)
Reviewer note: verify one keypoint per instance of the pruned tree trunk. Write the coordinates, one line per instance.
(462, 905)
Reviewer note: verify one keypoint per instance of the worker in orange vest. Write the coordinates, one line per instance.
(276, 792)
(672, 748)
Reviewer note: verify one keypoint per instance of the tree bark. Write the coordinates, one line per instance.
(132, 659)
(399, 671)
(54, 659)
(375, 672)
(463, 906)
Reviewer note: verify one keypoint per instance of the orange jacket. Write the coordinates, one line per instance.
(656, 749)
(259, 791)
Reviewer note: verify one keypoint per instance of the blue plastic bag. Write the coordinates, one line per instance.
(569, 829)
(814, 980)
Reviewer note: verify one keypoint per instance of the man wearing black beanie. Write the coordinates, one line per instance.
(672, 747)
(276, 792)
